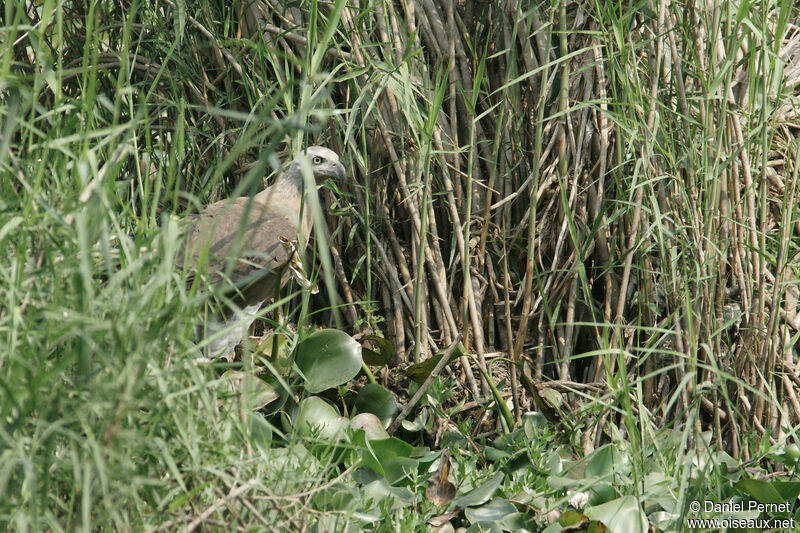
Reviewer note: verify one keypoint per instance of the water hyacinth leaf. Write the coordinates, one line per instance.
(603, 461)
(380, 452)
(400, 469)
(519, 522)
(373, 467)
(371, 424)
(276, 348)
(315, 416)
(481, 494)
(494, 511)
(390, 448)
(254, 392)
(328, 358)
(484, 527)
(380, 352)
(260, 430)
(571, 518)
(398, 496)
(552, 396)
(769, 491)
(622, 514)
(375, 399)
(371, 357)
(420, 371)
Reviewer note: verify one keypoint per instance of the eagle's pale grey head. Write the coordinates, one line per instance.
(324, 163)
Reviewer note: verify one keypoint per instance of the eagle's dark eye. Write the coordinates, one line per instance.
(317, 160)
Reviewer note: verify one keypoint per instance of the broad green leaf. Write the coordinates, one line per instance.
(380, 489)
(494, 511)
(371, 424)
(519, 522)
(420, 371)
(381, 352)
(601, 492)
(378, 452)
(483, 527)
(373, 398)
(276, 349)
(533, 422)
(570, 518)
(622, 514)
(386, 449)
(338, 497)
(494, 455)
(328, 358)
(260, 430)
(399, 469)
(316, 416)
(253, 391)
(602, 461)
(480, 494)
(769, 491)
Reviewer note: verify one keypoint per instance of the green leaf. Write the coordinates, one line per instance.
(519, 522)
(495, 455)
(533, 422)
(622, 514)
(420, 423)
(480, 494)
(255, 393)
(276, 348)
(570, 518)
(420, 371)
(371, 424)
(494, 511)
(484, 527)
(338, 497)
(769, 491)
(603, 461)
(390, 448)
(328, 358)
(260, 430)
(381, 353)
(399, 468)
(375, 399)
(180, 19)
(601, 492)
(380, 489)
(378, 452)
(316, 415)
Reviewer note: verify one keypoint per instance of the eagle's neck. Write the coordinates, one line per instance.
(285, 197)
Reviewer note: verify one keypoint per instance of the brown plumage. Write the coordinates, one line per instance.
(237, 243)
(230, 240)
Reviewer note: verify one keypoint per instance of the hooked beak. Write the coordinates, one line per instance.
(340, 173)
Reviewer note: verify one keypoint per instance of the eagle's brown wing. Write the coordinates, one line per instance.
(238, 245)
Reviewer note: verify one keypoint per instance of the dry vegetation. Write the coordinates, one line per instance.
(659, 155)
